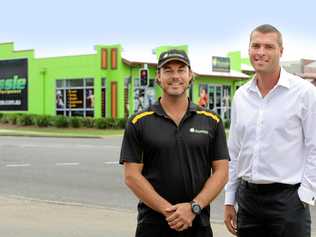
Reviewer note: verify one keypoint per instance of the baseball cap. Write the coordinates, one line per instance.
(173, 55)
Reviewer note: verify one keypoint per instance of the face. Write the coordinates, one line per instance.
(203, 92)
(174, 78)
(265, 52)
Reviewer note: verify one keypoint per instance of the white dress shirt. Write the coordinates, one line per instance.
(273, 138)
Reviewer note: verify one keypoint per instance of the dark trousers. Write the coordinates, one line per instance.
(160, 230)
(271, 210)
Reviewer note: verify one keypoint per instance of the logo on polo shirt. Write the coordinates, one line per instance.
(199, 131)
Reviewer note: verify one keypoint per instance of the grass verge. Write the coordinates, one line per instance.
(6, 130)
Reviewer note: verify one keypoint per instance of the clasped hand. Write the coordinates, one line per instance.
(180, 216)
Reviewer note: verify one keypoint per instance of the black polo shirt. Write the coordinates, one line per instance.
(177, 159)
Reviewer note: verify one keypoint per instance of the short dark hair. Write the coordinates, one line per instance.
(267, 28)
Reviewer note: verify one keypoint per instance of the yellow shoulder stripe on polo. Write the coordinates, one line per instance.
(209, 114)
(141, 115)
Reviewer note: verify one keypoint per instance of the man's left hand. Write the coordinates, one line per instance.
(181, 217)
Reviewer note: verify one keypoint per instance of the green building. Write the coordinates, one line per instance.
(105, 84)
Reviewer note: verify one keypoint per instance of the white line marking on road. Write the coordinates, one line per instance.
(68, 164)
(18, 165)
(111, 162)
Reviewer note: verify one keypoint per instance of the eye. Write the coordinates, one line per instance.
(255, 46)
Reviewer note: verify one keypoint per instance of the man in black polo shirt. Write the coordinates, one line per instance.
(175, 157)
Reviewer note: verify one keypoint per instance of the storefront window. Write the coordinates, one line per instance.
(75, 97)
(144, 96)
(59, 83)
(89, 82)
(75, 83)
(216, 98)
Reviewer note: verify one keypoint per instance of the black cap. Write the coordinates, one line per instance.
(173, 55)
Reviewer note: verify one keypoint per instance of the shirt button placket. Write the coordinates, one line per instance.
(259, 124)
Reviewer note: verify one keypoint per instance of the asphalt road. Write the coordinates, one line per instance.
(81, 172)
(68, 170)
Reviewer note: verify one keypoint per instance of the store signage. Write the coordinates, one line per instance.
(13, 85)
(220, 64)
(75, 98)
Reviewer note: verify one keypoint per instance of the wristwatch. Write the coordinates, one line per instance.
(196, 208)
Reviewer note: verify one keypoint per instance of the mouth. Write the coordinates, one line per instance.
(261, 60)
(173, 84)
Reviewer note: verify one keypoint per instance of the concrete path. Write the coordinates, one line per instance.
(34, 218)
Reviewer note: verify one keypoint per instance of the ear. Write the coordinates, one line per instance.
(281, 52)
(191, 76)
(158, 78)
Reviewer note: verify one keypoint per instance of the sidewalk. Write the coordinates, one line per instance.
(31, 218)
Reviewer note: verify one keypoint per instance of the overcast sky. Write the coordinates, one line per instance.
(63, 27)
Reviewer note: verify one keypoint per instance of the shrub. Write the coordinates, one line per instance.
(101, 123)
(227, 123)
(111, 123)
(12, 118)
(60, 121)
(121, 123)
(42, 120)
(88, 122)
(5, 118)
(75, 122)
(104, 123)
(24, 120)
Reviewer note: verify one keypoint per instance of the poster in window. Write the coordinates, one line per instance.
(203, 99)
(74, 98)
(139, 99)
(90, 98)
(60, 100)
(143, 98)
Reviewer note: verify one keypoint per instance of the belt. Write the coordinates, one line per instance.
(272, 187)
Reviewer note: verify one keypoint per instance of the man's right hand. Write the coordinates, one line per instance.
(230, 219)
(181, 216)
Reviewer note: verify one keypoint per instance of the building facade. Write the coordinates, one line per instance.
(105, 84)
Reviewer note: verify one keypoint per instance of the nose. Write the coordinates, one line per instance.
(261, 50)
(175, 74)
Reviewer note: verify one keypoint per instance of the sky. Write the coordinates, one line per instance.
(209, 28)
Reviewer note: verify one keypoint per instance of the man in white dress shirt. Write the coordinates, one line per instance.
(272, 146)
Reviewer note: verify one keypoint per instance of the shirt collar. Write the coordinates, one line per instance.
(283, 81)
(157, 108)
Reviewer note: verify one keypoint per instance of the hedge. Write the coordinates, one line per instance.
(41, 120)
(61, 121)
(24, 120)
